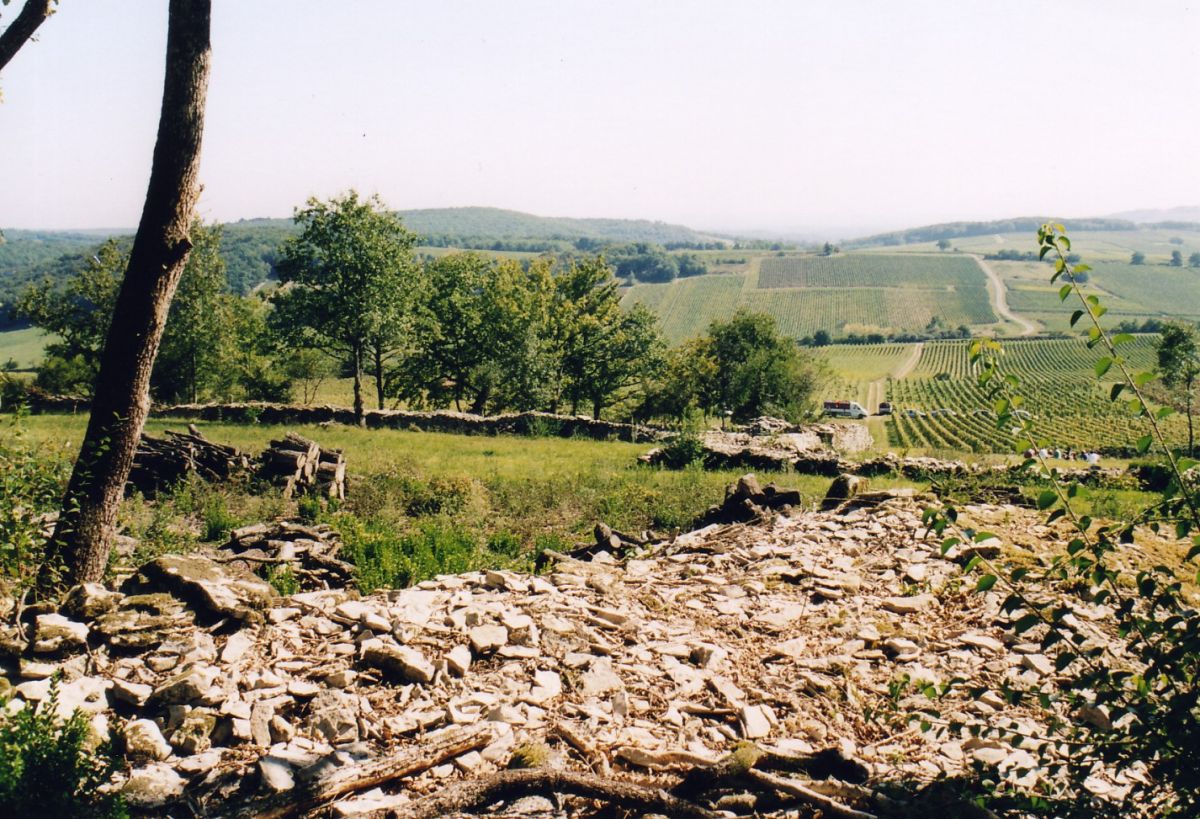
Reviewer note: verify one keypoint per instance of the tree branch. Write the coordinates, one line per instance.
(33, 14)
(507, 785)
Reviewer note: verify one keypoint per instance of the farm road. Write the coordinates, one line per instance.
(877, 389)
(1000, 299)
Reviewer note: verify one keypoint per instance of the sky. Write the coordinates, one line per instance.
(805, 117)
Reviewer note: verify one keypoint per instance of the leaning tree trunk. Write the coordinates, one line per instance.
(22, 29)
(84, 533)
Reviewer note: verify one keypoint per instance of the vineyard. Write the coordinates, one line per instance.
(852, 293)
(870, 270)
(940, 405)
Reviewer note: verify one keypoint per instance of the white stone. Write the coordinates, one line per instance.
(276, 774)
(909, 605)
(485, 639)
(152, 786)
(55, 632)
(145, 741)
(236, 647)
(458, 660)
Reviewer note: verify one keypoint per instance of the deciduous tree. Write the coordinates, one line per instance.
(347, 277)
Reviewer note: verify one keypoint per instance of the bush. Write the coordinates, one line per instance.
(218, 520)
(47, 768)
(31, 484)
(682, 450)
(386, 559)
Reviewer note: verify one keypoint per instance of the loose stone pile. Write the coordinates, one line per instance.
(785, 631)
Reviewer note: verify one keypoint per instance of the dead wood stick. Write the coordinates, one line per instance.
(506, 785)
(592, 755)
(434, 750)
(807, 794)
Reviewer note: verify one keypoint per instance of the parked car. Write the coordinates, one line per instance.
(845, 409)
(885, 407)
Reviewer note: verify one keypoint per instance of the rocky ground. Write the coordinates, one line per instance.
(792, 630)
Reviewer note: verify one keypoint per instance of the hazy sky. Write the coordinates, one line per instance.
(840, 116)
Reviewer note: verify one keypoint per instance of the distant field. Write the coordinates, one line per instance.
(1128, 291)
(23, 346)
(870, 270)
(1115, 246)
(851, 293)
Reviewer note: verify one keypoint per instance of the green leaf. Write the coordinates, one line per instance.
(1046, 499)
(1143, 444)
(1076, 316)
(1164, 412)
(1115, 392)
(1144, 378)
(1121, 338)
(1025, 623)
(1102, 366)
(985, 583)
(1064, 292)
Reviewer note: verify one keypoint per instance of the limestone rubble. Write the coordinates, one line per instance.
(787, 631)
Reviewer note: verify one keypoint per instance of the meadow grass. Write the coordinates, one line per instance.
(24, 346)
(423, 503)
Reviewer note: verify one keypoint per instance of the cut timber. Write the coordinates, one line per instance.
(162, 462)
(299, 465)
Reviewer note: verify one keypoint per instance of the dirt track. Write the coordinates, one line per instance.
(1000, 299)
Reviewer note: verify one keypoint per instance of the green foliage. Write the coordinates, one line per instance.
(218, 520)
(283, 579)
(757, 370)
(350, 271)
(197, 344)
(49, 767)
(31, 484)
(77, 311)
(682, 450)
(384, 557)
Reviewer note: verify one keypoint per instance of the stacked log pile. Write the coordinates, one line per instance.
(310, 552)
(162, 462)
(299, 465)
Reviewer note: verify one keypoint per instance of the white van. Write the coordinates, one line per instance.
(845, 409)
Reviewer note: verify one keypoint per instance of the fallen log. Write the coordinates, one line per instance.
(436, 749)
(471, 795)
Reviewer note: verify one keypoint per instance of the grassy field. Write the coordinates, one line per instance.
(22, 346)
(421, 503)
(851, 293)
(1094, 246)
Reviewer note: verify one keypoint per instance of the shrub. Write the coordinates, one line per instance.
(218, 520)
(682, 450)
(31, 484)
(47, 768)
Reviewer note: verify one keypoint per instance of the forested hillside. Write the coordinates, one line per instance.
(249, 246)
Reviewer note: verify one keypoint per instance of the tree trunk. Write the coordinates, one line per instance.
(34, 13)
(379, 374)
(359, 417)
(597, 406)
(83, 536)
